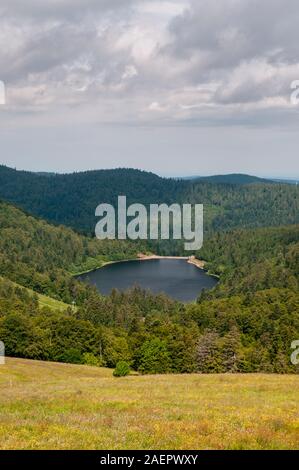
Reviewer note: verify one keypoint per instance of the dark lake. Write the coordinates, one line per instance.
(175, 277)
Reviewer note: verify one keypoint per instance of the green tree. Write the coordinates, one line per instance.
(72, 356)
(154, 357)
(91, 360)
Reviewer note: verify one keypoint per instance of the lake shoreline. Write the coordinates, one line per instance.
(142, 257)
(190, 259)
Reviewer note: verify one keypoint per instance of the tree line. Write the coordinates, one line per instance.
(153, 334)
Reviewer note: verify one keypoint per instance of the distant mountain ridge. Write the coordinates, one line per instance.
(286, 180)
(230, 201)
(232, 178)
(239, 178)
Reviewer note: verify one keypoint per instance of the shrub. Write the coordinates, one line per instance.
(122, 369)
(91, 360)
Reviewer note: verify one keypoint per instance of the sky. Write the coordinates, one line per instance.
(177, 87)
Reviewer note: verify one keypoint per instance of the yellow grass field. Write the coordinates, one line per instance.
(58, 406)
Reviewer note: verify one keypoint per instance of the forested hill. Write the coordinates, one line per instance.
(71, 199)
(252, 260)
(234, 178)
(42, 257)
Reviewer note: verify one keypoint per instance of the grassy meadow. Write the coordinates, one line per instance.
(44, 300)
(52, 304)
(58, 406)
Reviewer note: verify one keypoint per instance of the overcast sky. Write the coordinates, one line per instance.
(176, 87)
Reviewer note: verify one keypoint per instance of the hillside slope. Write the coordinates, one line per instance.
(71, 199)
(93, 410)
(37, 299)
(255, 259)
(42, 257)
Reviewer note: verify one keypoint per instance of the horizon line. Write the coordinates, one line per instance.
(185, 176)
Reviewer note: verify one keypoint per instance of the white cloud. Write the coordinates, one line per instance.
(155, 106)
(162, 8)
(130, 72)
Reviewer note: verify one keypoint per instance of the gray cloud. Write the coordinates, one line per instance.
(232, 31)
(163, 61)
(250, 48)
(49, 9)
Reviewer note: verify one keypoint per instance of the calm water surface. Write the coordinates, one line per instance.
(175, 277)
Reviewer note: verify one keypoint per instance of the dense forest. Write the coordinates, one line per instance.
(245, 324)
(71, 199)
(254, 259)
(245, 333)
(43, 257)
